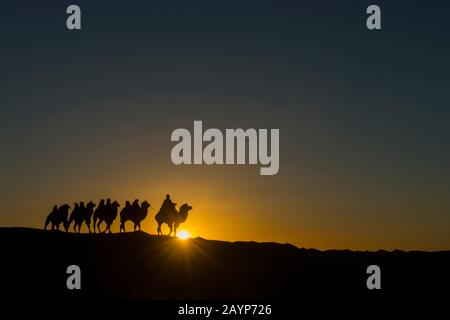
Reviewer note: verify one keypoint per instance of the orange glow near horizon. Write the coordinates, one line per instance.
(255, 209)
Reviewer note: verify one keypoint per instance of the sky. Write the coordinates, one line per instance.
(363, 116)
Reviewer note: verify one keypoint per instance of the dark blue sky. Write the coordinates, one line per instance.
(363, 115)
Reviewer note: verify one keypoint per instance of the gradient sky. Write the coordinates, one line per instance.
(363, 116)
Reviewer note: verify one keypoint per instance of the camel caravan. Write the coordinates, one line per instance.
(107, 211)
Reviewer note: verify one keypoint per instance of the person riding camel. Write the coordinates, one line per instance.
(167, 204)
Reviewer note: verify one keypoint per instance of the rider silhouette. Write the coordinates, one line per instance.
(167, 204)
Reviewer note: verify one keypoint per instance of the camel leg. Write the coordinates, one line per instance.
(159, 229)
(170, 228)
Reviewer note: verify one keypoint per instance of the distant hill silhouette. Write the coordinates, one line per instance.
(143, 266)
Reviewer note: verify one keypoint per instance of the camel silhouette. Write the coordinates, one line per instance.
(80, 214)
(125, 213)
(108, 214)
(58, 216)
(107, 211)
(98, 212)
(169, 215)
(88, 215)
(134, 213)
(74, 216)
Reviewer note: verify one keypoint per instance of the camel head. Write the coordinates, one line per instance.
(90, 205)
(64, 207)
(185, 208)
(115, 205)
(145, 205)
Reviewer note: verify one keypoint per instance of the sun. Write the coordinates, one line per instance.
(183, 234)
